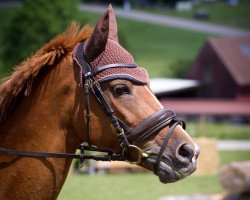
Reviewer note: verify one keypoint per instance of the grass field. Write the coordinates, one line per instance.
(220, 130)
(228, 156)
(143, 186)
(134, 187)
(219, 12)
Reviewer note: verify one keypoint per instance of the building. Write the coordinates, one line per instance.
(218, 82)
(223, 68)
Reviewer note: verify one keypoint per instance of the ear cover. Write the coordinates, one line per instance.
(112, 25)
(102, 49)
(106, 28)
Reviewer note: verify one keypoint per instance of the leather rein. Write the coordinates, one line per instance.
(129, 138)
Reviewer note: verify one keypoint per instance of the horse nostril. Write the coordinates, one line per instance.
(185, 153)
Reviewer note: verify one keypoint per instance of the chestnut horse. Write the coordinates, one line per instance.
(46, 104)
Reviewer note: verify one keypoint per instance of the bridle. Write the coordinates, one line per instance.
(129, 138)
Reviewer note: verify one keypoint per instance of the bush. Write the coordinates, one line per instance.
(34, 24)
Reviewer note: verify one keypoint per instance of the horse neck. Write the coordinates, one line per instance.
(42, 119)
(42, 122)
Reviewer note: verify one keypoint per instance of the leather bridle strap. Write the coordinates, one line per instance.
(99, 96)
(164, 145)
(148, 127)
(107, 157)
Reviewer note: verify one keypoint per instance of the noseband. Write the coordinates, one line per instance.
(129, 138)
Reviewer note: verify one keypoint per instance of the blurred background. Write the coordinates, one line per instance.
(198, 56)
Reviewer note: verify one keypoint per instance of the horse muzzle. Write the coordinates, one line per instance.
(172, 167)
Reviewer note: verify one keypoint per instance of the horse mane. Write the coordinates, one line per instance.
(20, 82)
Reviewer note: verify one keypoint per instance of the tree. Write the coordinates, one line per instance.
(34, 24)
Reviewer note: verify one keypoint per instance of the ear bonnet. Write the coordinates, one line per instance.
(106, 57)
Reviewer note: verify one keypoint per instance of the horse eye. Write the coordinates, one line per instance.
(120, 90)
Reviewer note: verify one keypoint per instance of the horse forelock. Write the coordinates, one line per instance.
(20, 81)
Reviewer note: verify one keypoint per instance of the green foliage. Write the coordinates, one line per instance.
(181, 67)
(34, 24)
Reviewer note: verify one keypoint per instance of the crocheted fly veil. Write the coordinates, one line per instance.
(107, 58)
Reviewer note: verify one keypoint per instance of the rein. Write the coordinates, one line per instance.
(129, 138)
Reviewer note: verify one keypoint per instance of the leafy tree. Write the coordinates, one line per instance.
(34, 24)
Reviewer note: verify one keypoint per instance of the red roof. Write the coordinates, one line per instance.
(235, 54)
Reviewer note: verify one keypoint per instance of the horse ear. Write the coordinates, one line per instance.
(106, 28)
(112, 25)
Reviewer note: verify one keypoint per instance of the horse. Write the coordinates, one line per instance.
(84, 90)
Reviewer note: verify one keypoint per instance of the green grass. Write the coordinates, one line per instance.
(143, 186)
(229, 156)
(134, 187)
(219, 130)
(220, 12)
(162, 52)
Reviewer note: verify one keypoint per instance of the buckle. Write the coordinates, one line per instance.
(120, 133)
(133, 154)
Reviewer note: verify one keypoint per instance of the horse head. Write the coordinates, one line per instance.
(148, 134)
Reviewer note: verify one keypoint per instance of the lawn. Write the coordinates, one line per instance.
(224, 131)
(143, 186)
(219, 12)
(134, 187)
(228, 156)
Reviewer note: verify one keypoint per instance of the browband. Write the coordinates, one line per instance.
(115, 65)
